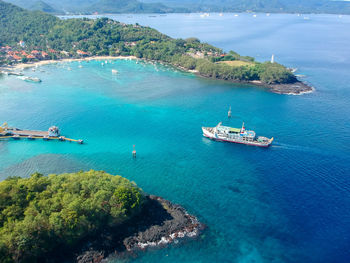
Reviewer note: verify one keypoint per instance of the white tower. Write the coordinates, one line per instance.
(273, 58)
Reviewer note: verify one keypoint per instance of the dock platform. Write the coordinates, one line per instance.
(52, 134)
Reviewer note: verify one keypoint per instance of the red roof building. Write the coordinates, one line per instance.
(83, 53)
(16, 57)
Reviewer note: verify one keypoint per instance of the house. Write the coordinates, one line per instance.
(65, 53)
(82, 53)
(44, 55)
(22, 44)
(16, 57)
(35, 52)
(130, 44)
(30, 57)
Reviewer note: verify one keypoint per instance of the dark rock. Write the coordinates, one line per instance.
(91, 256)
(160, 222)
(296, 88)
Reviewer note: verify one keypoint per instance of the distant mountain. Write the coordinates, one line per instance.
(42, 6)
(92, 6)
(35, 5)
(171, 6)
(130, 6)
(283, 6)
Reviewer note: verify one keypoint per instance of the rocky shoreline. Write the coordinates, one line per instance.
(159, 223)
(296, 88)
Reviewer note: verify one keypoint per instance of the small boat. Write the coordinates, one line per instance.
(114, 71)
(30, 137)
(235, 135)
(80, 66)
(29, 79)
(16, 137)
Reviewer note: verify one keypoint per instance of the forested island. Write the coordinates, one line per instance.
(27, 36)
(84, 217)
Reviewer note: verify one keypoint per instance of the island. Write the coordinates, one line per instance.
(29, 36)
(84, 217)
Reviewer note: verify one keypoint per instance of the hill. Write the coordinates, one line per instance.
(40, 213)
(44, 7)
(170, 6)
(279, 6)
(129, 6)
(87, 37)
(92, 6)
(83, 217)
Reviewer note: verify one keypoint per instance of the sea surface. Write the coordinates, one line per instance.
(288, 203)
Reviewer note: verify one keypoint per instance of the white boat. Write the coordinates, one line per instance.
(29, 79)
(236, 135)
(114, 71)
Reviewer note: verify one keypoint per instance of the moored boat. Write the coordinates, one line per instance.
(236, 135)
(30, 79)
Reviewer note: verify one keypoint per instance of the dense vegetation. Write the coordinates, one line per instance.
(41, 214)
(107, 37)
(160, 6)
(92, 6)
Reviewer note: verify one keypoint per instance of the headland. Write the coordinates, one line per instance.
(54, 39)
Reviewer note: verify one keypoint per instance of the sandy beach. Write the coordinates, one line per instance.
(46, 62)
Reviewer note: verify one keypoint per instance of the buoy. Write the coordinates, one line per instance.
(134, 152)
(229, 113)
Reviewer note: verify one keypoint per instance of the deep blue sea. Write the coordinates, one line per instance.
(288, 203)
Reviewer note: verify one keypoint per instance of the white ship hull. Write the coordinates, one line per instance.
(211, 134)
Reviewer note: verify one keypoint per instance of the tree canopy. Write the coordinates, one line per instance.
(41, 213)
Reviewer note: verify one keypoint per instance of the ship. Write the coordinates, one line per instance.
(236, 135)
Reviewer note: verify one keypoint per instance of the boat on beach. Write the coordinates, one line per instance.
(236, 135)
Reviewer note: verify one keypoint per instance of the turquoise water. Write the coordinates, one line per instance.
(288, 203)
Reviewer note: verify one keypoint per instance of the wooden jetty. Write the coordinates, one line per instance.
(53, 133)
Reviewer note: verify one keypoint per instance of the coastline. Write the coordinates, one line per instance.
(159, 223)
(21, 66)
(296, 88)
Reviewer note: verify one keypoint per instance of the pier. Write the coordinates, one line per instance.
(53, 133)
